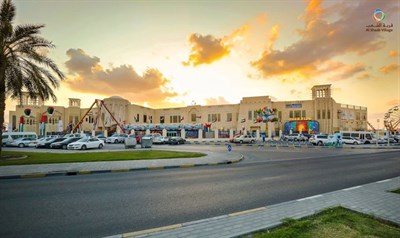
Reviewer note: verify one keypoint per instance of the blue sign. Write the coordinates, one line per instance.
(229, 148)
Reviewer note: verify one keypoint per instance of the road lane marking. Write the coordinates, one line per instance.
(163, 228)
(247, 211)
(307, 198)
(348, 189)
(383, 181)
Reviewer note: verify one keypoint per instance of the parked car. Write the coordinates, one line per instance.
(47, 142)
(22, 142)
(351, 140)
(116, 138)
(176, 140)
(86, 143)
(295, 137)
(160, 140)
(232, 140)
(319, 139)
(244, 139)
(64, 144)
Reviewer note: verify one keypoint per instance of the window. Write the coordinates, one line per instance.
(229, 117)
(303, 113)
(323, 114)
(255, 115)
(249, 115)
(193, 117)
(162, 119)
(144, 118)
(173, 119)
(137, 117)
(214, 117)
(318, 114)
(297, 113)
(291, 114)
(329, 114)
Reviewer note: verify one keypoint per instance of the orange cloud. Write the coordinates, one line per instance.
(322, 40)
(389, 68)
(205, 50)
(216, 101)
(273, 36)
(393, 102)
(88, 76)
(393, 53)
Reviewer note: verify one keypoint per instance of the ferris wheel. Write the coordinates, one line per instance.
(392, 119)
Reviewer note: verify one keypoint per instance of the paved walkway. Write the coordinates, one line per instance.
(373, 199)
(42, 170)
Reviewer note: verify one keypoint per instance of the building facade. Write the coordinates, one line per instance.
(320, 114)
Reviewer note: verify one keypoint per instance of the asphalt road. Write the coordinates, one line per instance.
(107, 204)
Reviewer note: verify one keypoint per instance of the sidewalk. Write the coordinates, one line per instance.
(373, 199)
(43, 170)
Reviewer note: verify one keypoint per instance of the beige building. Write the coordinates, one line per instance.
(320, 114)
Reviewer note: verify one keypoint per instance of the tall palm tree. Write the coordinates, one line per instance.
(23, 65)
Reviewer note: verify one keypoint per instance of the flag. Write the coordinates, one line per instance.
(243, 120)
(181, 119)
(162, 119)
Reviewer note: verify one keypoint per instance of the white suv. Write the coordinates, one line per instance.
(320, 139)
(116, 138)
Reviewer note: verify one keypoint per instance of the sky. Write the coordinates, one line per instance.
(174, 53)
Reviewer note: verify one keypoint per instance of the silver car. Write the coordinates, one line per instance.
(244, 139)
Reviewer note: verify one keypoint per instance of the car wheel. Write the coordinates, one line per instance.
(252, 141)
(355, 143)
(367, 142)
(83, 147)
(116, 141)
(100, 146)
(64, 147)
(241, 142)
(319, 143)
(21, 145)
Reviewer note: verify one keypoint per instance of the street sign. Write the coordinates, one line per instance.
(229, 148)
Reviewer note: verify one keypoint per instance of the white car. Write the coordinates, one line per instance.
(116, 138)
(160, 140)
(244, 139)
(22, 142)
(351, 140)
(86, 143)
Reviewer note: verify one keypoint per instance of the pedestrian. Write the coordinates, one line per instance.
(263, 137)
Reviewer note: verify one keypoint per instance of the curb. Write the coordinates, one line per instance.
(85, 172)
(275, 145)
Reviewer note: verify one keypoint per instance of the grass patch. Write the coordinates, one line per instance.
(396, 191)
(333, 222)
(50, 158)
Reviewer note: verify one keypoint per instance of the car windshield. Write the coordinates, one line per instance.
(83, 140)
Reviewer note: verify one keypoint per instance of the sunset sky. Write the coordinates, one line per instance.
(172, 53)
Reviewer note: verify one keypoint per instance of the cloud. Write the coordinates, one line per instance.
(389, 68)
(205, 50)
(216, 101)
(88, 76)
(393, 53)
(80, 62)
(346, 71)
(393, 102)
(321, 40)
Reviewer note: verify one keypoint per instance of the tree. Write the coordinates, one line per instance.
(23, 64)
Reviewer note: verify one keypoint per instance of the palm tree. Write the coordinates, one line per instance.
(23, 65)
